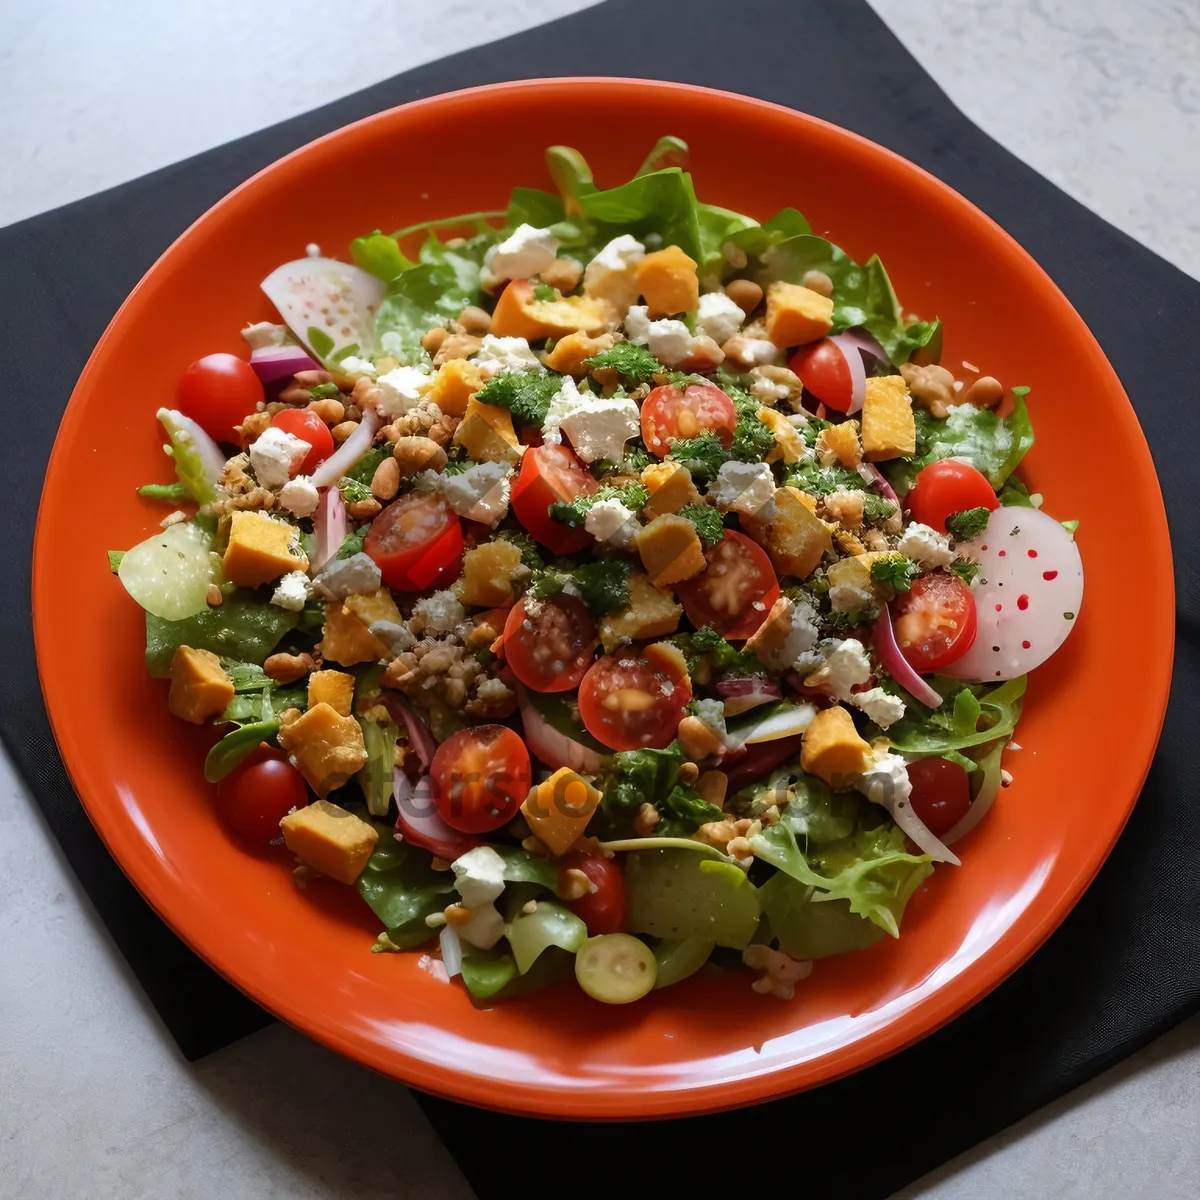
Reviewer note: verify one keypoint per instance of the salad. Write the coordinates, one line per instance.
(611, 586)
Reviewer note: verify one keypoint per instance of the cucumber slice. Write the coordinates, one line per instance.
(615, 968)
(770, 722)
(677, 959)
(168, 574)
(549, 925)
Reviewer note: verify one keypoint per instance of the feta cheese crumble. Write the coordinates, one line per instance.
(353, 366)
(526, 251)
(479, 493)
(300, 496)
(747, 488)
(498, 355)
(562, 404)
(881, 707)
(442, 611)
(848, 663)
(612, 275)
(275, 455)
(610, 521)
(926, 546)
(292, 591)
(479, 878)
(354, 576)
(719, 317)
(401, 389)
(669, 341)
(599, 428)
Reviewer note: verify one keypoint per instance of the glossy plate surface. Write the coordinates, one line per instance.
(706, 1044)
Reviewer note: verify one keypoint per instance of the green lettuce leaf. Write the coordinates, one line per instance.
(639, 776)
(806, 929)
(871, 870)
(403, 889)
(922, 733)
(531, 206)
(663, 203)
(380, 254)
(240, 628)
(550, 924)
(755, 240)
(994, 445)
(377, 773)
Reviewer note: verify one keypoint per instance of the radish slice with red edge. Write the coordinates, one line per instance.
(895, 664)
(336, 300)
(551, 747)
(851, 352)
(330, 527)
(419, 736)
(272, 363)
(349, 452)
(1027, 595)
(418, 820)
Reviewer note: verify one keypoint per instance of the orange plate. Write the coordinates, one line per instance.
(706, 1044)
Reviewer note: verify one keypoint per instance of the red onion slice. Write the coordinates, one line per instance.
(873, 475)
(740, 695)
(330, 527)
(897, 666)
(977, 811)
(761, 759)
(272, 363)
(419, 736)
(451, 947)
(851, 352)
(866, 342)
(551, 747)
(349, 452)
(417, 820)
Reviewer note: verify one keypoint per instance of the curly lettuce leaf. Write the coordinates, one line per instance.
(639, 776)
(994, 445)
(240, 628)
(806, 929)
(922, 733)
(871, 870)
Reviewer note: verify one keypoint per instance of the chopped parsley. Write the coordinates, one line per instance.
(531, 556)
(352, 543)
(850, 620)
(543, 291)
(574, 512)
(878, 508)
(821, 481)
(526, 394)
(636, 460)
(629, 360)
(703, 456)
(602, 584)
(458, 466)
(707, 521)
(966, 569)
(752, 440)
(720, 655)
(364, 470)
(353, 490)
(895, 570)
(965, 525)
(324, 391)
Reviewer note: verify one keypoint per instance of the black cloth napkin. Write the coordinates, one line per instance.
(1122, 968)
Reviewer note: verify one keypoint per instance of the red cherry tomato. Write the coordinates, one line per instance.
(480, 778)
(258, 794)
(308, 427)
(602, 911)
(671, 412)
(550, 474)
(941, 793)
(935, 622)
(416, 541)
(734, 593)
(218, 392)
(631, 702)
(944, 488)
(823, 370)
(549, 643)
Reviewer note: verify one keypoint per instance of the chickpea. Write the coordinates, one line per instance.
(433, 340)
(819, 282)
(745, 293)
(474, 320)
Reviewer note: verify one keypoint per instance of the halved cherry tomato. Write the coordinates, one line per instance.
(416, 541)
(480, 778)
(218, 392)
(602, 911)
(947, 487)
(630, 702)
(671, 412)
(935, 622)
(823, 370)
(734, 593)
(257, 795)
(550, 474)
(308, 427)
(549, 643)
(941, 793)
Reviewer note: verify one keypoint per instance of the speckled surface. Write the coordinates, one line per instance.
(1103, 98)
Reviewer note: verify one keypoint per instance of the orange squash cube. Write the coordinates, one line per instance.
(558, 809)
(199, 686)
(519, 313)
(335, 688)
(832, 749)
(330, 840)
(259, 550)
(456, 382)
(888, 427)
(569, 352)
(797, 315)
(668, 282)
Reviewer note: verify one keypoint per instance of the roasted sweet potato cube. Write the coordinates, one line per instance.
(199, 686)
(888, 427)
(259, 550)
(670, 486)
(668, 282)
(558, 809)
(489, 575)
(832, 748)
(670, 549)
(324, 746)
(330, 840)
(797, 315)
(335, 688)
(486, 433)
(456, 382)
(651, 612)
(796, 538)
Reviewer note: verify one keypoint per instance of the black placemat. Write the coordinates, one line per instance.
(1126, 963)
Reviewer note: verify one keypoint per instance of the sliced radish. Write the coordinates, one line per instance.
(419, 736)
(418, 821)
(551, 747)
(1028, 594)
(327, 298)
